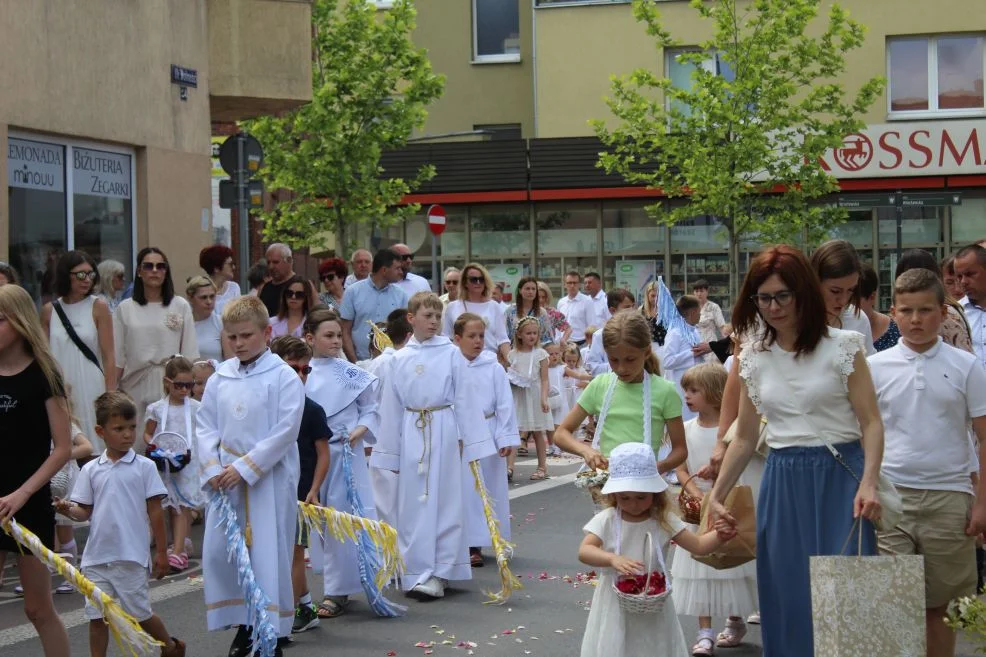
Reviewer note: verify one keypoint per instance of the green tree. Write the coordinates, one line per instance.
(370, 88)
(743, 142)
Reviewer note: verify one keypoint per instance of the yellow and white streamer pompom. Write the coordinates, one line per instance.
(126, 631)
(346, 526)
(503, 548)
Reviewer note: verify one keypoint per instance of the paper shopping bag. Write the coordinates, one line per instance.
(868, 606)
(742, 548)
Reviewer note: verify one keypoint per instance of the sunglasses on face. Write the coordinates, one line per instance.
(328, 278)
(476, 279)
(306, 370)
(294, 294)
(84, 275)
(451, 282)
(407, 256)
(152, 266)
(181, 385)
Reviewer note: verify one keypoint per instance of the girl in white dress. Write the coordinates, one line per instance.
(91, 372)
(176, 413)
(701, 590)
(528, 374)
(615, 539)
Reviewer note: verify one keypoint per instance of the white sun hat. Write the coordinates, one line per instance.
(633, 469)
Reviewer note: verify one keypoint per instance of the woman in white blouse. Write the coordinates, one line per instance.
(475, 296)
(217, 261)
(838, 267)
(201, 294)
(812, 384)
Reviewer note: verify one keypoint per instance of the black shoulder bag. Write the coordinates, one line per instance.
(83, 347)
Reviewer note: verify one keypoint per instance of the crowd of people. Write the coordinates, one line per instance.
(367, 392)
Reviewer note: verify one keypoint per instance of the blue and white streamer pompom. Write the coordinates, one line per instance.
(366, 550)
(264, 636)
(668, 315)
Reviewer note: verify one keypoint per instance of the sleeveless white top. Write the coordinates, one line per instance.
(803, 396)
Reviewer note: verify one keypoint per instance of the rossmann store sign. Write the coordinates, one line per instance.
(897, 150)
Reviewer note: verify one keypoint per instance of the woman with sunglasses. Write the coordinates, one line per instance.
(296, 300)
(332, 273)
(150, 328)
(79, 327)
(475, 296)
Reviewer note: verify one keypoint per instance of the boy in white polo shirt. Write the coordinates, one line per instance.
(120, 494)
(927, 392)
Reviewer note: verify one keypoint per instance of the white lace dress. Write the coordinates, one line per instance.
(609, 631)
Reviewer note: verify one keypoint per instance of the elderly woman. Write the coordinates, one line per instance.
(112, 281)
(559, 325)
(332, 273)
(217, 261)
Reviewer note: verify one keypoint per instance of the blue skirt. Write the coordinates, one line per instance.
(805, 509)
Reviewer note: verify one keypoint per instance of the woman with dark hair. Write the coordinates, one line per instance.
(8, 275)
(297, 298)
(812, 384)
(838, 268)
(150, 328)
(529, 305)
(332, 273)
(217, 261)
(885, 330)
(954, 328)
(257, 276)
(79, 327)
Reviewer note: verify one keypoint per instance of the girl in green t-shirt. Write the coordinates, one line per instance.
(617, 399)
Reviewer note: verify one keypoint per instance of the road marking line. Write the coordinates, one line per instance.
(77, 617)
(541, 486)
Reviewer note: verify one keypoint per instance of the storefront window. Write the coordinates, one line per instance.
(857, 229)
(36, 190)
(920, 227)
(500, 232)
(629, 230)
(54, 208)
(969, 221)
(563, 230)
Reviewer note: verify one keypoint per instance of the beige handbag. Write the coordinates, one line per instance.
(761, 449)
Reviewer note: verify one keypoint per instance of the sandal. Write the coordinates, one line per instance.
(329, 608)
(732, 635)
(178, 562)
(522, 451)
(476, 558)
(510, 474)
(539, 474)
(703, 648)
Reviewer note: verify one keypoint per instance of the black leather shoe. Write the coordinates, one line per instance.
(241, 643)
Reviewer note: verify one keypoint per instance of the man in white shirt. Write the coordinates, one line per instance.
(451, 278)
(927, 391)
(596, 361)
(970, 270)
(362, 262)
(578, 309)
(411, 283)
(593, 285)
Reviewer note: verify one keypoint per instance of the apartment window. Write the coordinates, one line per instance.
(680, 72)
(941, 75)
(67, 195)
(499, 131)
(496, 30)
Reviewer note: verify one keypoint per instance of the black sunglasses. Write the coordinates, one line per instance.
(182, 385)
(151, 266)
(84, 275)
(407, 256)
(306, 370)
(476, 279)
(294, 294)
(328, 277)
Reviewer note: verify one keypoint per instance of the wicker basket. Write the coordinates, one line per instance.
(174, 444)
(691, 506)
(641, 603)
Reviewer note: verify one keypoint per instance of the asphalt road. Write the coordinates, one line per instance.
(545, 619)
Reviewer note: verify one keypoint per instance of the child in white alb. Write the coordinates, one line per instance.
(615, 540)
(175, 413)
(700, 590)
(120, 493)
(678, 354)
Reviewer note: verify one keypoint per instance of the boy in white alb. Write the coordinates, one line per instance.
(246, 436)
(927, 392)
(120, 494)
(487, 384)
(430, 428)
(678, 355)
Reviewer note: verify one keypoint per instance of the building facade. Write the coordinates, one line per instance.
(106, 111)
(524, 78)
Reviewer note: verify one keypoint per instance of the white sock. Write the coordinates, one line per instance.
(706, 633)
(306, 599)
(70, 548)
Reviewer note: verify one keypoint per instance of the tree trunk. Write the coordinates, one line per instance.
(734, 282)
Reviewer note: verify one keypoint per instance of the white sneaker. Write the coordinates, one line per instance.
(431, 587)
(753, 619)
